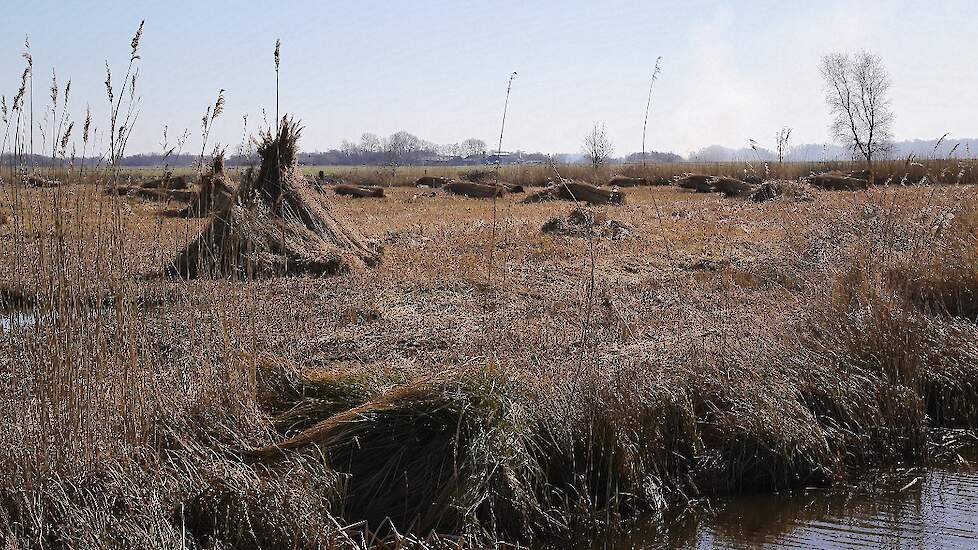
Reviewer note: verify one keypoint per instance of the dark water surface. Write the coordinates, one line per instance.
(14, 319)
(939, 510)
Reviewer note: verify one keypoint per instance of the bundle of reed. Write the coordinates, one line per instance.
(358, 191)
(276, 224)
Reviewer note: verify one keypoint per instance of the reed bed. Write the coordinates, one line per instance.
(720, 346)
(886, 172)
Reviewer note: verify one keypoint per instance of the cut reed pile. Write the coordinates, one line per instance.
(628, 181)
(358, 191)
(953, 171)
(583, 223)
(431, 181)
(168, 182)
(474, 190)
(578, 192)
(275, 224)
(215, 194)
(727, 186)
(490, 177)
(696, 182)
(837, 182)
(732, 187)
(164, 189)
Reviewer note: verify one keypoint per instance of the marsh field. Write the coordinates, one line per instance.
(253, 353)
(488, 372)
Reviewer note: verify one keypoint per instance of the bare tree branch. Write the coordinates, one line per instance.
(857, 92)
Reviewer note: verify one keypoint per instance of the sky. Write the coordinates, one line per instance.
(731, 71)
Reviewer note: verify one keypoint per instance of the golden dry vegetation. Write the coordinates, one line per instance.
(487, 380)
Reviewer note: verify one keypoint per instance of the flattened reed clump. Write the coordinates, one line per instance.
(613, 445)
(582, 223)
(276, 224)
(445, 454)
(240, 507)
(298, 398)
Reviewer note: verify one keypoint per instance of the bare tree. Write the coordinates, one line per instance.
(369, 143)
(857, 92)
(472, 146)
(350, 149)
(400, 144)
(597, 145)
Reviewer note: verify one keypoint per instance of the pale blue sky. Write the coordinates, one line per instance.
(731, 71)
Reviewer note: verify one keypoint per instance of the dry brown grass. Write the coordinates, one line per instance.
(890, 172)
(720, 346)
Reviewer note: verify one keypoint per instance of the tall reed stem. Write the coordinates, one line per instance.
(648, 105)
(499, 152)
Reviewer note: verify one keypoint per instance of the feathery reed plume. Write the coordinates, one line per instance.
(29, 72)
(5, 118)
(86, 127)
(54, 89)
(27, 52)
(119, 133)
(939, 142)
(648, 104)
(757, 156)
(108, 83)
(206, 123)
(135, 41)
(65, 138)
(16, 106)
(64, 105)
(278, 61)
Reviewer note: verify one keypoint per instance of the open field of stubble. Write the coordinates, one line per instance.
(485, 381)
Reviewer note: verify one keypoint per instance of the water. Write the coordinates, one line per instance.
(14, 319)
(940, 510)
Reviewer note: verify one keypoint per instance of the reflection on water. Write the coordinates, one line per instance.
(940, 510)
(14, 319)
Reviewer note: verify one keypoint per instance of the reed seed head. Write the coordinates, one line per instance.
(135, 41)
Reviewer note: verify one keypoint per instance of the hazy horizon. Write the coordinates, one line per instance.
(439, 70)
